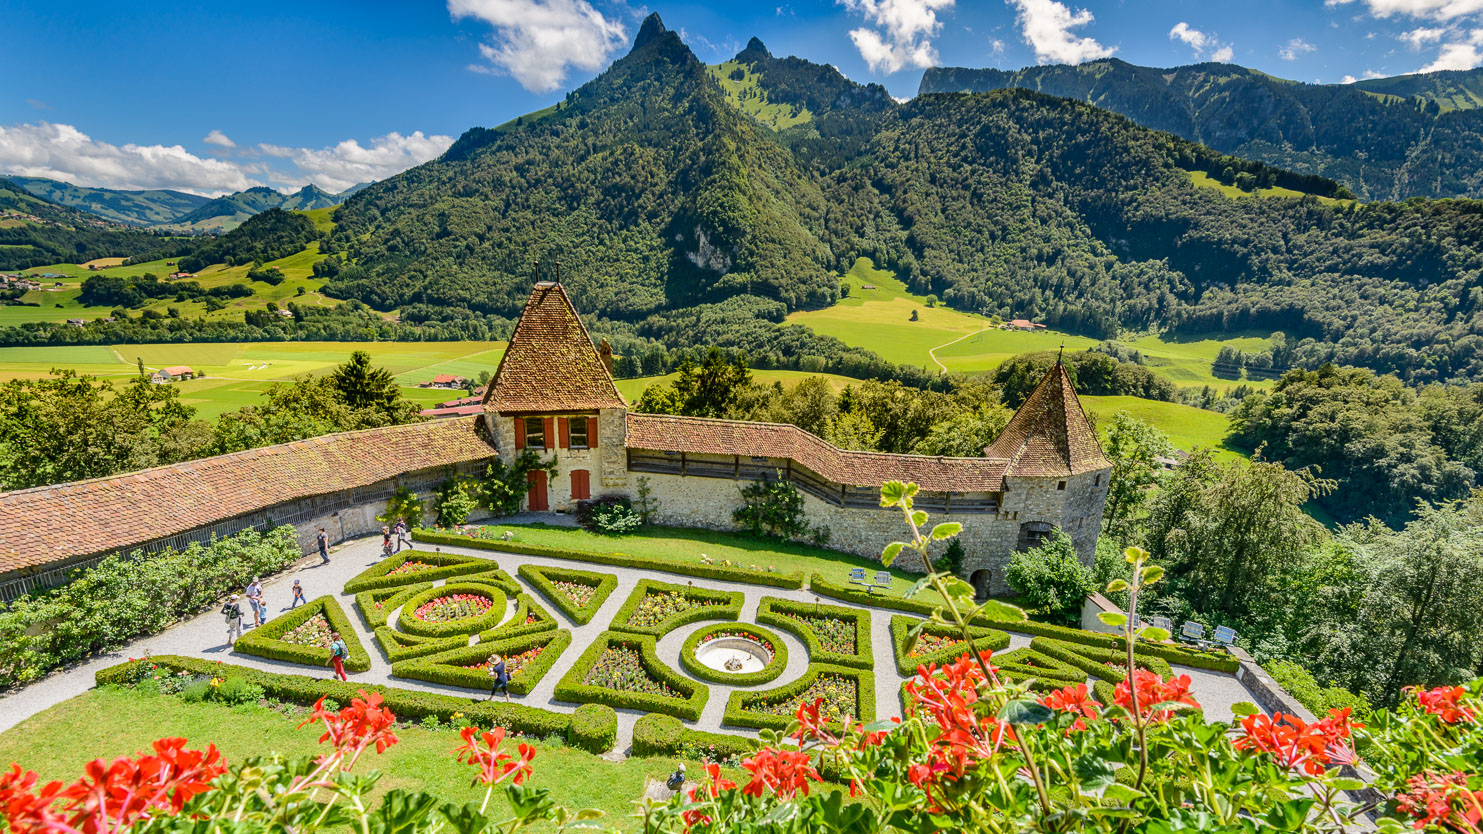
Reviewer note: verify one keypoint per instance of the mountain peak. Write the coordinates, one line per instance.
(652, 28)
(755, 49)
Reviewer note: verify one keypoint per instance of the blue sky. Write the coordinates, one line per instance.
(212, 98)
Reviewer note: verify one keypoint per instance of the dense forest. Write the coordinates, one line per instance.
(1385, 139)
(38, 232)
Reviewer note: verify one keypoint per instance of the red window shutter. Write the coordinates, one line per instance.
(519, 432)
(581, 486)
(566, 433)
(592, 432)
(549, 424)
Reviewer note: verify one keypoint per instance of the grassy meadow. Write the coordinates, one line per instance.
(1204, 180)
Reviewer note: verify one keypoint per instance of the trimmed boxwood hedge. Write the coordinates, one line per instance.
(525, 608)
(398, 646)
(449, 564)
(499, 579)
(468, 625)
(390, 598)
(986, 639)
(728, 609)
(1093, 660)
(739, 714)
(594, 728)
(1215, 661)
(573, 689)
(622, 560)
(774, 611)
(405, 704)
(264, 641)
(447, 667)
(544, 581)
(663, 735)
(1048, 671)
(769, 672)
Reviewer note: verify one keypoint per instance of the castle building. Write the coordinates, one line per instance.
(553, 395)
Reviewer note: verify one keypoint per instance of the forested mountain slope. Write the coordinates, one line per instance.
(138, 208)
(34, 232)
(680, 216)
(1392, 138)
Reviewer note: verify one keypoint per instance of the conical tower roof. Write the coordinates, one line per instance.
(550, 364)
(1050, 434)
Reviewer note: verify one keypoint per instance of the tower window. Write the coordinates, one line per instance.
(1061, 485)
(1097, 481)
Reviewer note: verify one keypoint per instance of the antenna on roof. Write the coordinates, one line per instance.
(538, 272)
(1060, 353)
(558, 270)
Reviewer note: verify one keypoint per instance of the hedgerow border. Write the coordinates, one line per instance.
(451, 564)
(398, 646)
(1093, 660)
(989, 640)
(571, 687)
(1058, 674)
(656, 734)
(729, 608)
(468, 625)
(738, 715)
(774, 611)
(767, 673)
(793, 581)
(264, 641)
(525, 605)
(374, 617)
(406, 704)
(498, 578)
(543, 580)
(446, 667)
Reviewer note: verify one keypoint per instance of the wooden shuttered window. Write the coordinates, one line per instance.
(549, 425)
(519, 432)
(592, 432)
(566, 435)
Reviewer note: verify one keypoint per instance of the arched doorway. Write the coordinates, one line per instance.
(981, 580)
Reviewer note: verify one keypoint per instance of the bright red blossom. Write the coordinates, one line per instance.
(781, 772)
(1297, 744)
(1153, 690)
(353, 729)
(704, 791)
(1442, 702)
(481, 749)
(1442, 799)
(1072, 699)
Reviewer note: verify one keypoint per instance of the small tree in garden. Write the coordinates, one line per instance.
(457, 497)
(503, 487)
(1051, 577)
(404, 503)
(772, 508)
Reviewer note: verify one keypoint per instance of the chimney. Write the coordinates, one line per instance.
(605, 353)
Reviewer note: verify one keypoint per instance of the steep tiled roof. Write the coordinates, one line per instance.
(550, 364)
(48, 524)
(778, 440)
(1050, 435)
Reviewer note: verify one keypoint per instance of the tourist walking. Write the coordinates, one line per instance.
(298, 595)
(255, 599)
(233, 612)
(499, 678)
(402, 536)
(385, 541)
(338, 653)
(324, 546)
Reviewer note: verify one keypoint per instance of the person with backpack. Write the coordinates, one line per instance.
(324, 546)
(338, 653)
(499, 678)
(233, 612)
(402, 536)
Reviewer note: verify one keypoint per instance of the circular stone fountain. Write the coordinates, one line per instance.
(733, 655)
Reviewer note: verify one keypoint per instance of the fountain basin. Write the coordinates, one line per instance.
(739, 654)
(733, 655)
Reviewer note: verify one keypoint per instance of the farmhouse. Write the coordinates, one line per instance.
(445, 381)
(174, 373)
(553, 394)
(1022, 324)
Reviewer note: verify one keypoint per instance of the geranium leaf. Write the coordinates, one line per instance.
(1112, 618)
(1118, 792)
(1154, 633)
(891, 493)
(1244, 708)
(946, 530)
(958, 588)
(1093, 773)
(917, 586)
(891, 552)
(997, 610)
(1152, 574)
(919, 517)
(1023, 711)
(1117, 585)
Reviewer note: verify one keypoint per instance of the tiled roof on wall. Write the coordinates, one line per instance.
(662, 433)
(551, 364)
(1050, 435)
(48, 524)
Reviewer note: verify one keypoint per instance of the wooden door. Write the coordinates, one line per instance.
(581, 485)
(536, 500)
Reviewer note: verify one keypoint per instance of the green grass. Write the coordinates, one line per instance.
(238, 373)
(321, 218)
(1186, 426)
(750, 98)
(1204, 180)
(634, 388)
(684, 546)
(106, 723)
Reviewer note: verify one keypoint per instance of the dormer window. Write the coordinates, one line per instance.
(535, 433)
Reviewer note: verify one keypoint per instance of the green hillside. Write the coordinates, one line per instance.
(139, 208)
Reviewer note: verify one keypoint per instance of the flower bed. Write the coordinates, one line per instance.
(625, 560)
(314, 631)
(529, 618)
(833, 634)
(411, 566)
(937, 643)
(443, 565)
(527, 659)
(631, 679)
(267, 640)
(656, 608)
(398, 646)
(761, 636)
(378, 604)
(577, 593)
(455, 608)
(845, 692)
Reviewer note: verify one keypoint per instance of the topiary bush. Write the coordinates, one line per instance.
(439, 566)
(1107, 664)
(594, 728)
(907, 662)
(398, 646)
(453, 666)
(411, 623)
(1051, 577)
(377, 604)
(546, 581)
(686, 701)
(529, 618)
(1048, 672)
(750, 709)
(663, 735)
(612, 515)
(266, 640)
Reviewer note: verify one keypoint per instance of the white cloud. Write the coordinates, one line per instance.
(1426, 9)
(63, 152)
(1366, 75)
(536, 41)
(338, 167)
(1046, 26)
(903, 33)
(996, 47)
(1348, 79)
(1462, 52)
(1294, 48)
(1201, 41)
(219, 139)
(1418, 38)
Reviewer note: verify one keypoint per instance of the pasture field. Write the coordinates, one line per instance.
(632, 389)
(1186, 425)
(943, 339)
(238, 373)
(1204, 180)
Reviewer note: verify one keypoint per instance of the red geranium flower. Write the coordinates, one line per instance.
(1441, 799)
(1152, 690)
(481, 749)
(781, 772)
(1072, 699)
(1442, 702)
(354, 728)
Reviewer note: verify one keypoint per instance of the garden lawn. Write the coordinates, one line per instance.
(105, 723)
(684, 546)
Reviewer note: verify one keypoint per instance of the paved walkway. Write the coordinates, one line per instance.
(205, 636)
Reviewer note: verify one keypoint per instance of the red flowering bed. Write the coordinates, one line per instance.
(410, 566)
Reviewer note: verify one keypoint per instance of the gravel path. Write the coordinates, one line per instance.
(205, 636)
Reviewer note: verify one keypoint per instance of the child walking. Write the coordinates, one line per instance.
(338, 653)
(385, 541)
(298, 595)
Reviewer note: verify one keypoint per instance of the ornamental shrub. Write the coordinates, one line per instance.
(613, 516)
(456, 499)
(594, 728)
(771, 508)
(1051, 577)
(130, 595)
(404, 504)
